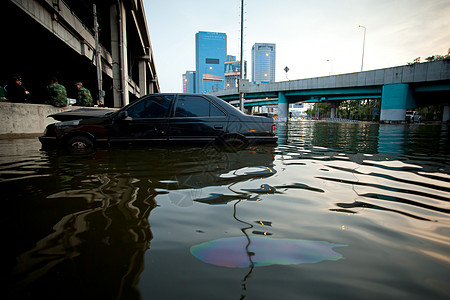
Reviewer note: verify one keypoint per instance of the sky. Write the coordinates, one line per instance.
(313, 38)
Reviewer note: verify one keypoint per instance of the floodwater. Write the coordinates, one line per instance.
(335, 211)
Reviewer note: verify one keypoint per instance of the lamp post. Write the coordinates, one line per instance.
(331, 66)
(241, 75)
(364, 43)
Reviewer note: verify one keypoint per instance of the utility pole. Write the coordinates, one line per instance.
(241, 75)
(364, 45)
(98, 58)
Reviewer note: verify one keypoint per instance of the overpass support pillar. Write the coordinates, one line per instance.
(395, 100)
(333, 107)
(119, 54)
(333, 113)
(143, 77)
(283, 108)
(446, 113)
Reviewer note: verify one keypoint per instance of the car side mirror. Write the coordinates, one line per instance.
(122, 115)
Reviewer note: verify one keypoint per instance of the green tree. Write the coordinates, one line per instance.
(319, 110)
(432, 58)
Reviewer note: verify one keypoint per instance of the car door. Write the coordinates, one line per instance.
(143, 122)
(196, 119)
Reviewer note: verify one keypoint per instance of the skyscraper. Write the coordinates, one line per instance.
(233, 71)
(263, 63)
(189, 82)
(210, 56)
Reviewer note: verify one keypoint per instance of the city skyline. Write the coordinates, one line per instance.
(313, 39)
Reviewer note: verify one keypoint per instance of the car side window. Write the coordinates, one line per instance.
(215, 112)
(151, 107)
(194, 106)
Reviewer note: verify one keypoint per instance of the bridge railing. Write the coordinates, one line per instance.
(421, 72)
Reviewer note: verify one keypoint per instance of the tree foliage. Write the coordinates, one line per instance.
(432, 58)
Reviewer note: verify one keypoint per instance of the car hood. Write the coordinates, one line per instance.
(82, 113)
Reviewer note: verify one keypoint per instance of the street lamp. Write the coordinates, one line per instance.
(331, 66)
(241, 75)
(364, 43)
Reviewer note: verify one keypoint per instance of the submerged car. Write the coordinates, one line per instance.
(160, 118)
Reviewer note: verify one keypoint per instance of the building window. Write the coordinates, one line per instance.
(213, 61)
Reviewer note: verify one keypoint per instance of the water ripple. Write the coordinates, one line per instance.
(139, 211)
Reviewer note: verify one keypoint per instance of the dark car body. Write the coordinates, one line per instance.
(162, 118)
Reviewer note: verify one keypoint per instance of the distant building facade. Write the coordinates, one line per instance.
(263, 63)
(210, 56)
(189, 82)
(298, 110)
(233, 71)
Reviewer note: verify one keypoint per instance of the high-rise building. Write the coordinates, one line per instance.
(263, 63)
(210, 56)
(233, 71)
(189, 82)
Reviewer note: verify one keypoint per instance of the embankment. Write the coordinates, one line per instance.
(20, 120)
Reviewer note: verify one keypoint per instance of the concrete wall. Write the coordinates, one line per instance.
(26, 119)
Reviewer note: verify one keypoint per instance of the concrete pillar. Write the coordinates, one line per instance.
(143, 77)
(333, 112)
(119, 54)
(395, 100)
(446, 113)
(150, 89)
(283, 108)
(333, 109)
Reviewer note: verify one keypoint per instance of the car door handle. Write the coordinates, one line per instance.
(218, 126)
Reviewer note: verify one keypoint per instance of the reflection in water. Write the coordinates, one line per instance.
(99, 247)
(79, 226)
(367, 137)
(92, 223)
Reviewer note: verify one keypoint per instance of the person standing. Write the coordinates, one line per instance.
(57, 93)
(16, 92)
(84, 97)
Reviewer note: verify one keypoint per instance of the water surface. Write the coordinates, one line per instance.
(335, 211)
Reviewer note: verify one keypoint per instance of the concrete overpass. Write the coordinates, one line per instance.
(44, 38)
(399, 88)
